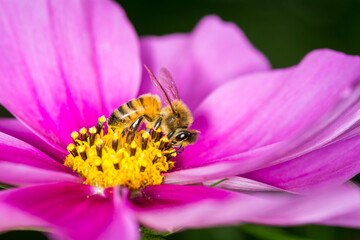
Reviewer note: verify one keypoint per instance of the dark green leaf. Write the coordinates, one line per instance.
(270, 233)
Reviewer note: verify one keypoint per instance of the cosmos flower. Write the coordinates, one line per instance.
(276, 146)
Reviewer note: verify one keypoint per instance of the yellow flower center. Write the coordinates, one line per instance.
(120, 157)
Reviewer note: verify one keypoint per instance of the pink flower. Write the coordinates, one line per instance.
(293, 131)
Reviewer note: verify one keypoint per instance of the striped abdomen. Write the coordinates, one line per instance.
(146, 105)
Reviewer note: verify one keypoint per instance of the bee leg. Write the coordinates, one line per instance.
(158, 123)
(180, 149)
(135, 126)
(170, 134)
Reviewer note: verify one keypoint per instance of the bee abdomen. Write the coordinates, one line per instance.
(126, 114)
(123, 115)
(115, 118)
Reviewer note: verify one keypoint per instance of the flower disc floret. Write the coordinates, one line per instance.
(119, 156)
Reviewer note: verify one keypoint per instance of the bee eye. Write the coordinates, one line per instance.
(182, 136)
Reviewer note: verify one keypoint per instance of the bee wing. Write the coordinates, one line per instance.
(168, 84)
(165, 86)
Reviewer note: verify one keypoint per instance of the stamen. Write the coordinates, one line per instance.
(115, 142)
(153, 134)
(124, 132)
(115, 161)
(163, 143)
(130, 136)
(99, 143)
(171, 155)
(75, 137)
(135, 159)
(72, 149)
(82, 152)
(132, 149)
(100, 124)
(83, 134)
(148, 129)
(92, 132)
(98, 165)
(145, 139)
(157, 157)
(158, 135)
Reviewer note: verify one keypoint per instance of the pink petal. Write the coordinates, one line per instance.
(71, 210)
(214, 53)
(22, 175)
(123, 223)
(240, 184)
(312, 139)
(339, 125)
(17, 130)
(16, 157)
(57, 66)
(224, 167)
(324, 168)
(319, 207)
(19, 219)
(262, 109)
(349, 219)
(173, 207)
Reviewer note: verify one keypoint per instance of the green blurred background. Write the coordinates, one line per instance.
(284, 30)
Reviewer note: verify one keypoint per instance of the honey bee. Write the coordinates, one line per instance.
(174, 119)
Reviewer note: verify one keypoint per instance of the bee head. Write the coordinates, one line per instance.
(182, 118)
(184, 137)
